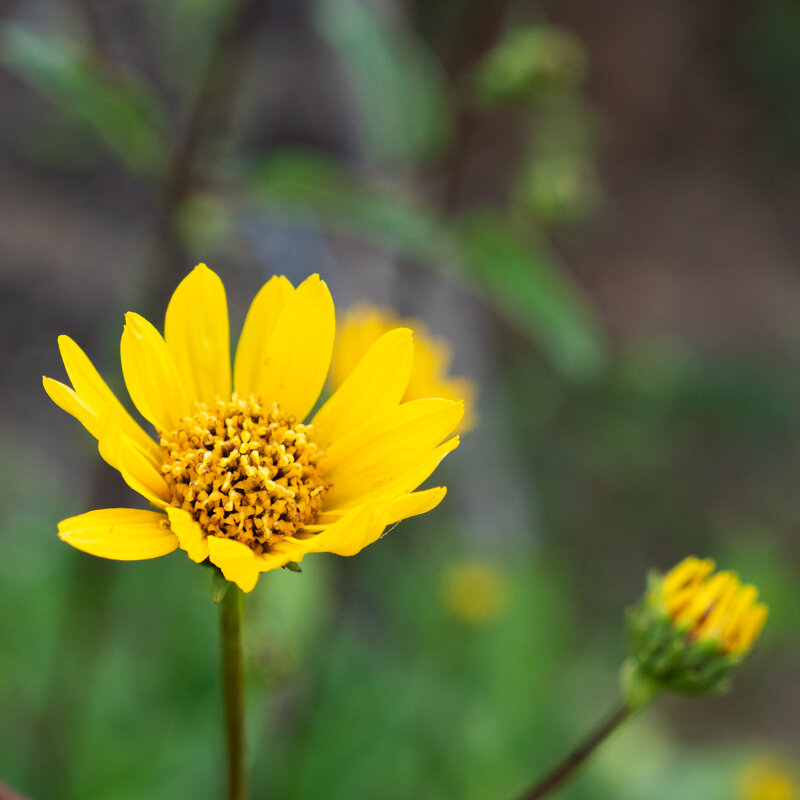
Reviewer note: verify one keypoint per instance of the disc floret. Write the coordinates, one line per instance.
(245, 472)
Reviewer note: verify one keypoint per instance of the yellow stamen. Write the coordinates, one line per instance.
(244, 472)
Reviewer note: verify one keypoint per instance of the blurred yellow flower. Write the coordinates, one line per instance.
(474, 592)
(769, 779)
(235, 474)
(365, 323)
(689, 632)
(713, 606)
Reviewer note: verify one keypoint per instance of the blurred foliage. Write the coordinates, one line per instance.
(523, 279)
(405, 688)
(401, 91)
(363, 672)
(557, 184)
(402, 98)
(771, 58)
(318, 189)
(120, 111)
(528, 61)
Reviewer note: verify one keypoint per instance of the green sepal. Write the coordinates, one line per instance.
(638, 688)
(219, 587)
(667, 655)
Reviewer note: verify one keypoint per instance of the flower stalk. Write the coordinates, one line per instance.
(566, 768)
(233, 689)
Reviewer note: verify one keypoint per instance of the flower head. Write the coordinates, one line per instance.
(239, 472)
(691, 629)
(474, 592)
(769, 779)
(364, 324)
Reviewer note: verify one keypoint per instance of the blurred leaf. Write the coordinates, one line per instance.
(558, 190)
(399, 87)
(184, 32)
(523, 282)
(304, 181)
(531, 290)
(204, 221)
(556, 182)
(529, 61)
(120, 112)
(771, 58)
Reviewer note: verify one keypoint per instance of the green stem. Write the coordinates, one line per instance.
(233, 689)
(570, 764)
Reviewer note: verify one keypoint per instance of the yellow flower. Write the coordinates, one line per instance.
(713, 606)
(767, 779)
(474, 592)
(364, 323)
(689, 632)
(235, 474)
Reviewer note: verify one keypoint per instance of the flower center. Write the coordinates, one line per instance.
(244, 472)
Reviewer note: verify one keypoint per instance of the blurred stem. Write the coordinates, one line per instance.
(207, 120)
(567, 768)
(481, 25)
(97, 32)
(233, 689)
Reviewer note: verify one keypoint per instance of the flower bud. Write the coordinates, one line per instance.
(692, 627)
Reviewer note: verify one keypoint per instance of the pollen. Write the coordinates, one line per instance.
(244, 472)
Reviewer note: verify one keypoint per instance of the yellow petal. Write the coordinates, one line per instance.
(714, 621)
(66, 399)
(399, 434)
(411, 505)
(402, 507)
(740, 606)
(108, 430)
(236, 560)
(361, 327)
(197, 334)
(749, 629)
(258, 327)
(376, 384)
(138, 472)
(269, 561)
(126, 534)
(346, 493)
(377, 453)
(110, 438)
(190, 534)
(704, 598)
(352, 533)
(150, 375)
(293, 365)
(96, 395)
(688, 573)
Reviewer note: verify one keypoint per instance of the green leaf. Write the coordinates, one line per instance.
(299, 182)
(120, 111)
(398, 86)
(521, 280)
(528, 62)
(531, 290)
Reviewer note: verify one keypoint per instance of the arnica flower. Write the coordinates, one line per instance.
(691, 629)
(364, 324)
(768, 779)
(474, 592)
(239, 474)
